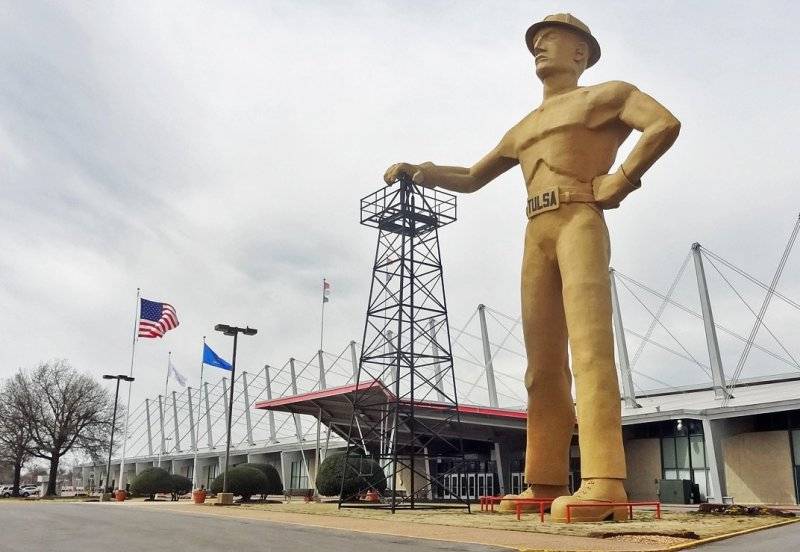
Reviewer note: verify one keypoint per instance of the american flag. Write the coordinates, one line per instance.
(156, 319)
(326, 290)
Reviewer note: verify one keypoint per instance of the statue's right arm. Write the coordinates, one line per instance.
(455, 179)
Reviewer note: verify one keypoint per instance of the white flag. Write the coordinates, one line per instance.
(173, 372)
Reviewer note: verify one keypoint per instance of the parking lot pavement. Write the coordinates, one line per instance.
(780, 539)
(67, 527)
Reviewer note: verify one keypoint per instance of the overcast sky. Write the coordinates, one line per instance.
(213, 154)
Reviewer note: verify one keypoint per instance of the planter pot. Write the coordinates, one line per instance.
(199, 497)
(372, 496)
(120, 495)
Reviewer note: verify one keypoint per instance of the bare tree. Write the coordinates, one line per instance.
(64, 411)
(15, 437)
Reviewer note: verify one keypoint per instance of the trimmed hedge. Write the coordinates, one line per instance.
(152, 481)
(180, 484)
(362, 475)
(244, 481)
(274, 485)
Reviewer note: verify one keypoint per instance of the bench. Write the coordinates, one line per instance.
(307, 494)
(488, 502)
(541, 502)
(629, 505)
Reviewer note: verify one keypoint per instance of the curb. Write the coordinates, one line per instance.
(688, 545)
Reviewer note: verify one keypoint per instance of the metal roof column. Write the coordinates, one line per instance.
(437, 369)
(322, 383)
(161, 425)
(175, 423)
(270, 413)
(246, 397)
(354, 360)
(149, 430)
(208, 417)
(628, 393)
(717, 372)
(191, 420)
(487, 358)
(225, 399)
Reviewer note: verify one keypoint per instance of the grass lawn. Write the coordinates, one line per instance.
(672, 523)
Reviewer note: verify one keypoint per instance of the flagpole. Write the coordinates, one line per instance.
(199, 417)
(166, 381)
(164, 407)
(130, 385)
(322, 318)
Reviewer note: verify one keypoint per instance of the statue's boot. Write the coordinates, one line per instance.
(596, 491)
(533, 491)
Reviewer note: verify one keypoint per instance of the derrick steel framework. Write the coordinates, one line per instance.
(406, 347)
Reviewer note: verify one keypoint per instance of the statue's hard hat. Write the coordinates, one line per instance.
(568, 21)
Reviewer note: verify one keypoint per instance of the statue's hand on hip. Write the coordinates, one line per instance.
(403, 171)
(610, 189)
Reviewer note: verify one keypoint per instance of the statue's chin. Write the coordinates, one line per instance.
(548, 71)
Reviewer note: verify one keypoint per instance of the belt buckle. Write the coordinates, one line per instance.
(546, 200)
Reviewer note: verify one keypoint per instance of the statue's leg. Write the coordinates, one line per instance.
(583, 256)
(551, 416)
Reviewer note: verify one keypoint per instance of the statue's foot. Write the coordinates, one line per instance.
(507, 504)
(597, 491)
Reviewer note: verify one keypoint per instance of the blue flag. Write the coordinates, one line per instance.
(213, 359)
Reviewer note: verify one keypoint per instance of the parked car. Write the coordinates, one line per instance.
(29, 490)
(6, 490)
(72, 491)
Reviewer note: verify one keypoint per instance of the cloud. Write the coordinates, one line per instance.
(214, 156)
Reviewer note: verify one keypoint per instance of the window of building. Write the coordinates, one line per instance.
(683, 455)
(299, 477)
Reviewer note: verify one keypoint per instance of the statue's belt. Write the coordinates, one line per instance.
(552, 198)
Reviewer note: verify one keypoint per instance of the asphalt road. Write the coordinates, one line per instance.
(780, 539)
(54, 527)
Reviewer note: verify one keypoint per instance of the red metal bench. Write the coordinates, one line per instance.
(541, 502)
(629, 505)
(488, 502)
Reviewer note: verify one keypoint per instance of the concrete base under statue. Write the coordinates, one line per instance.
(224, 499)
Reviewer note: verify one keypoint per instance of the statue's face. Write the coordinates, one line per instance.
(557, 50)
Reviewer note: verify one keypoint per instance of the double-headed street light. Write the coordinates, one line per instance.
(118, 377)
(234, 331)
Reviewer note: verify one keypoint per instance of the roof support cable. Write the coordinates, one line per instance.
(657, 318)
(746, 304)
(685, 350)
(764, 306)
(509, 331)
(662, 346)
(711, 255)
(699, 316)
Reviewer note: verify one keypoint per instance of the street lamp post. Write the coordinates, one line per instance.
(234, 331)
(113, 424)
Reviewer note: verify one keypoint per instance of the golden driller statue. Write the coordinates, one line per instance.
(566, 148)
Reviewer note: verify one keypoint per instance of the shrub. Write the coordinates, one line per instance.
(244, 481)
(274, 485)
(362, 475)
(152, 481)
(180, 484)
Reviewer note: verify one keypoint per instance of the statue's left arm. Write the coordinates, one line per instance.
(659, 130)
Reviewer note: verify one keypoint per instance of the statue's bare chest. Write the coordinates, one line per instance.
(569, 117)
